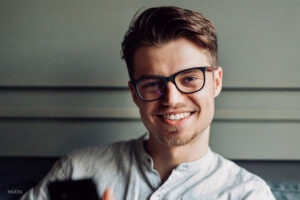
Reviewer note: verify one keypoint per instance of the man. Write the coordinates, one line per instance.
(171, 56)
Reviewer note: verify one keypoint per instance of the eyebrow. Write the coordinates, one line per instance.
(180, 71)
(156, 76)
(150, 76)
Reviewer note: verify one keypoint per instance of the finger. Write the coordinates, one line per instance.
(107, 195)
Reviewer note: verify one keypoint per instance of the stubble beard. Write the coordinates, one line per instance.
(170, 136)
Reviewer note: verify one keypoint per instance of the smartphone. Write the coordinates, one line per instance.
(84, 189)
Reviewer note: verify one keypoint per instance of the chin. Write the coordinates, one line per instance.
(174, 137)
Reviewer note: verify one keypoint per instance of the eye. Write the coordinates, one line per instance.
(152, 84)
(190, 79)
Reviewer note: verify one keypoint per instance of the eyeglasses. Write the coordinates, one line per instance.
(151, 88)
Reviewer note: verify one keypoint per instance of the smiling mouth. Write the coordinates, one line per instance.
(176, 117)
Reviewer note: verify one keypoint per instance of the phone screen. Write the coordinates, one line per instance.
(84, 189)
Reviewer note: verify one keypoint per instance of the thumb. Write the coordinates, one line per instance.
(107, 195)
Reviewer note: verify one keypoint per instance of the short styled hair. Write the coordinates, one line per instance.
(159, 25)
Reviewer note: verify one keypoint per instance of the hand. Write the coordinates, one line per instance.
(108, 195)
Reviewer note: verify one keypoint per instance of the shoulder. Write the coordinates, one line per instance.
(100, 156)
(102, 151)
(88, 161)
(240, 183)
(83, 163)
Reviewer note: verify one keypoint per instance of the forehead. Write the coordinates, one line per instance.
(169, 58)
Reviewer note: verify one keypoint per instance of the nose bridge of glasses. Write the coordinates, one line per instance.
(167, 80)
(168, 87)
(172, 95)
(170, 78)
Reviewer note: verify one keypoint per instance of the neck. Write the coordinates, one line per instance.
(166, 158)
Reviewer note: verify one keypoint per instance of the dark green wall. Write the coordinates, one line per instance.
(64, 86)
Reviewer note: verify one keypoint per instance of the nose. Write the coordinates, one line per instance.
(173, 97)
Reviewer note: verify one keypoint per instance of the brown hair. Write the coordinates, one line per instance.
(159, 25)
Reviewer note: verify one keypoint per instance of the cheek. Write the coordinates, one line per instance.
(205, 102)
(210, 108)
(210, 103)
(143, 113)
(146, 110)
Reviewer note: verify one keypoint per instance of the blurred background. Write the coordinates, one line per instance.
(63, 84)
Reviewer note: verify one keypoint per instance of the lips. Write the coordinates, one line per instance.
(175, 116)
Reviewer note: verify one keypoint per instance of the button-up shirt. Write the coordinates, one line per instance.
(128, 170)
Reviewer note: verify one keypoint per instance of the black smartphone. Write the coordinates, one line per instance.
(84, 189)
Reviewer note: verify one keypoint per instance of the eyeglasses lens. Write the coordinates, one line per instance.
(190, 81)
(150, 89)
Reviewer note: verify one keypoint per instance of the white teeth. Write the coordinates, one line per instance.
(177, 116)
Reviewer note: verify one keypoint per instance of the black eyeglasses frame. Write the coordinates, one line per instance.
(172, 79)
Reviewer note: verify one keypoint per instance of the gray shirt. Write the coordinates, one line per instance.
(128, 170)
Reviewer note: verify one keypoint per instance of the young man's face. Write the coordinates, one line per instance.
(197, 109)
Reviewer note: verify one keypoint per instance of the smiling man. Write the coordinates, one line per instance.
(174, 89)
(171, 56)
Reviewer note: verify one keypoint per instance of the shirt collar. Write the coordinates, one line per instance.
(199, 164)
(140, 150)
(202, 163)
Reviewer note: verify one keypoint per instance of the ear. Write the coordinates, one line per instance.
(218, 77)
(134, 96)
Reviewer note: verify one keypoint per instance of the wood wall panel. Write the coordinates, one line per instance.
(233, 139)
(105, 103)
(75, 43)
(63, 84)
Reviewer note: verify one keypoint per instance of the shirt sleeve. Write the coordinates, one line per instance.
(261, 191)
(61, 170)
